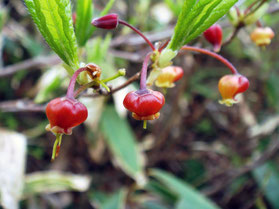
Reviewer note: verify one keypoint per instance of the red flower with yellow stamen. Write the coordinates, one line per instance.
(231, 85)
(262, 36)
(168, 76)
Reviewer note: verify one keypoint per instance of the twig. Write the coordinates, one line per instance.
(128, 82)
(135, 40)
(234, 34)
(248, 9)
(134, 57)
(254, 10)
(31, 64)
(241, 24)
(273, 9)
(22, 105)
(232, 174)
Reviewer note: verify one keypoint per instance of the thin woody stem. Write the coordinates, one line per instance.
(241, 23)
(255, 9)
(212, 54)
(71, 88)
(84, 87)
(259, 24)
(144, 72)
(234, 34)
(250, 7)
(138, 32)
(237, 11)
(164, 45)
(96, 83)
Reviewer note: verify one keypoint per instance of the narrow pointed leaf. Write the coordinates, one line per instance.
(54, 20)
(53, 181)
(83, 25)
(122, 143)
(267, 178)
(189, 197)
(116, 200)
(107, 7)
(196, 17)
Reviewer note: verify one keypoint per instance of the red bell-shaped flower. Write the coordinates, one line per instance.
(231, 85)
(168, 76)
(144, 104)
(64, 114)
(214, 35)
(262, 36)
(109, 21)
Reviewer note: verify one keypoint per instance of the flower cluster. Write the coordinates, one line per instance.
(145, 104)
(65, 113)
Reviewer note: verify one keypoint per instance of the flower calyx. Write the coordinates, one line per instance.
(214, 35)
(168, 76)
(94, 71)
(144, 104)
(231, 85)
(262, 36)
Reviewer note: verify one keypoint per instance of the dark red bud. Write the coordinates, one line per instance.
(214, 35)
(109, 21)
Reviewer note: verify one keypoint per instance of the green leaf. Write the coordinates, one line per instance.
(84, 29)
(173, 6)
(196, 17)
(116, 200)
(122, 143)
(153, 205)
(182, 204)
(97, 49)
(271, 90)
(161, 190)
(189, 197)
(49, 83)
(107, 7)
(54, 20)
(3, 17)
(53, 181)
(268, 179)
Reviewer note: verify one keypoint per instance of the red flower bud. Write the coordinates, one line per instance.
(144, 104)
(64, 114)
(231, 85)
(168, 76)
(262, 36)
(214, 35)
(109, 21)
